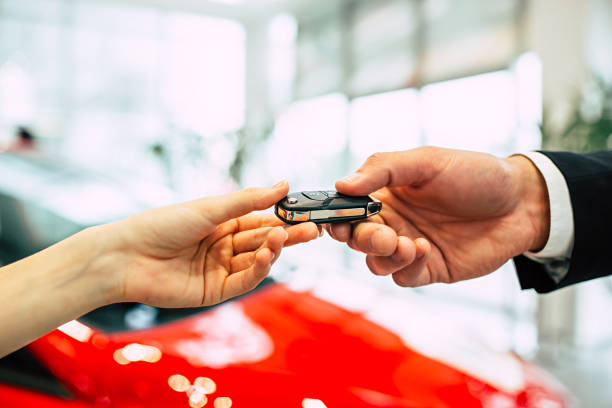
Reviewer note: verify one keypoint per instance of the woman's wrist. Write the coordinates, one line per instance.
(104, 267)
(82, 266)
(56, 285)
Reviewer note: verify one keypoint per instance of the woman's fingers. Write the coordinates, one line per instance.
(275, 240)
(245, 243)
(250, 240)
(225, 207)
(258, 220)
(301, 233)
(242, 261)
(247, 279)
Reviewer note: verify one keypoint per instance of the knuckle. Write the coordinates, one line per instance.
(374, 267)
(428, 150)
(404, 255)
(251, 191)
(248, 284)
(361, 240)
(353, 246)
(252, 197)
(377, 272)
(402, 280)
(340, 233)
(376, 159)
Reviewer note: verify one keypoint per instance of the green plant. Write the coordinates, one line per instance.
(590, 125)
(247, 142)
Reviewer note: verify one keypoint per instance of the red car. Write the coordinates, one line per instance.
(273, 348)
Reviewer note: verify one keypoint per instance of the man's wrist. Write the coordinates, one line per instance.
(534, 201)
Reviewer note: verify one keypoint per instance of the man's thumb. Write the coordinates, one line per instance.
(377, 172)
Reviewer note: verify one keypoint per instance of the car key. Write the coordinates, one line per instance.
(324, 207)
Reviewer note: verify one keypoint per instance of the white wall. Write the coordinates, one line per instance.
(599, 48)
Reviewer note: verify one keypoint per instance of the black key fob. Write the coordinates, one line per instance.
(324, 207)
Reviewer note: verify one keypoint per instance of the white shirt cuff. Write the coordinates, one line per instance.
(561, 237)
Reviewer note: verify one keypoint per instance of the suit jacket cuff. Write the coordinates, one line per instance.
(589, 181)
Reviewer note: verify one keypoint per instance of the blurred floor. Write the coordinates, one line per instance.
(587, 374)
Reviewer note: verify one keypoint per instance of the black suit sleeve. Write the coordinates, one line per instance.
(589, 180)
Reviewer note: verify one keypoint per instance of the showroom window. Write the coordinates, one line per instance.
(110, 85)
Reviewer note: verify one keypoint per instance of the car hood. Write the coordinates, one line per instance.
(285, 348)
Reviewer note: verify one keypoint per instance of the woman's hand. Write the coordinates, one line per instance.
(196, 253)
(204, 251)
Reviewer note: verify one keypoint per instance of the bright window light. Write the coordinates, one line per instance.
(384, 122)
(306, 145)
(282, 33)
(227, 1)
(204, 84)
(474, 113)
(528, 72)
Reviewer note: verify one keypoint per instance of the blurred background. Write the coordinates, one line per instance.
(167, 100)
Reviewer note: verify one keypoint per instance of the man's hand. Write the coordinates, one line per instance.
(447, 215)
(204, 251)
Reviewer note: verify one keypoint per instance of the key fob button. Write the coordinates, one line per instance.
(315, 195)
(292, 200)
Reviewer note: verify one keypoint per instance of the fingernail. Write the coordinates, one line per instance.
(353, 178)
(279, 184)
(419, 255)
